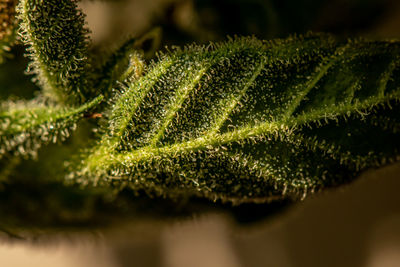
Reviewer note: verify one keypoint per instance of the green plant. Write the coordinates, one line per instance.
(242, 121)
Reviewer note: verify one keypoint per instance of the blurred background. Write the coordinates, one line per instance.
(201, 21)
(356, 225)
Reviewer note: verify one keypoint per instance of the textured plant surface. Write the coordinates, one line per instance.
(244, 121)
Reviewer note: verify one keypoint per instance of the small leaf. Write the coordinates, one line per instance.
(252, 121)
(124, 63)
(58, 43)
(26, 126)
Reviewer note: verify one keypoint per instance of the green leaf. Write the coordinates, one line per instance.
(58, 43)
(26, 126)
(127, 63)
(252, 121)
(124, 63)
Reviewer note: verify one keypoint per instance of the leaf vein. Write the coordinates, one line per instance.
(233, 101)
(321, 70)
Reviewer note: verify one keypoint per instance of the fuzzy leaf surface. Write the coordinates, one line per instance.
(26, 126)
(58, 44)
(253, 121)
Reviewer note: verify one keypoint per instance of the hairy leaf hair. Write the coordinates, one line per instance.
(58, 46)
(253, 121)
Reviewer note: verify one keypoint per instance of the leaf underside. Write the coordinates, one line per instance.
(253, 121)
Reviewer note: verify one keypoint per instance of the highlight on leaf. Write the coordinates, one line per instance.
(26, 126)
(253, 121)
(58, 45)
